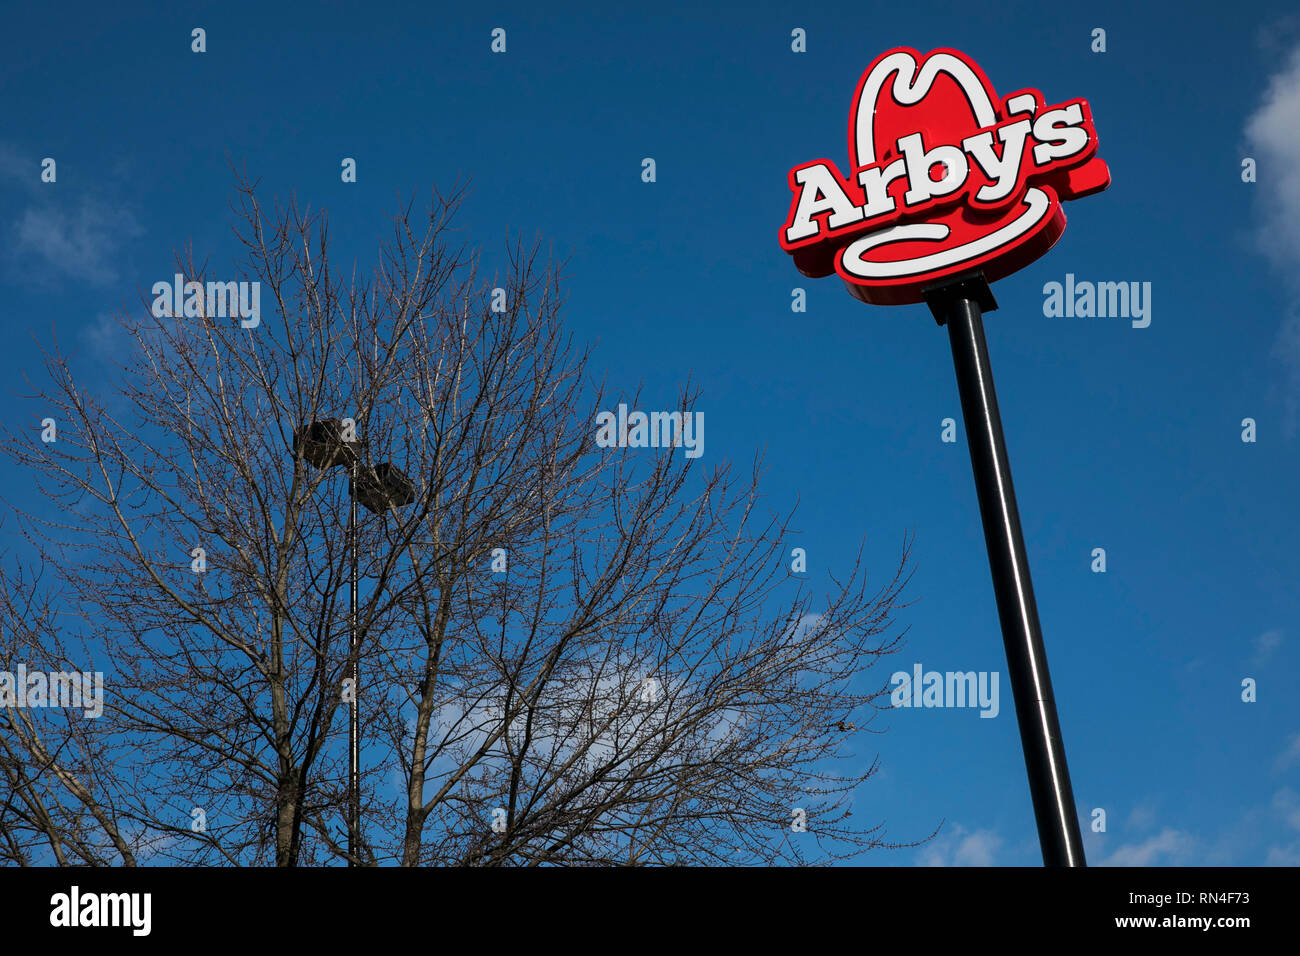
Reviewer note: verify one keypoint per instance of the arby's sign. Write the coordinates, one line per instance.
(944, 178)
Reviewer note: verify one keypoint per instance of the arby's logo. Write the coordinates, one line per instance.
(944, 178)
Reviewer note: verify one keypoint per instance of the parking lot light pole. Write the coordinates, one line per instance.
(385, 486)
(353, 673)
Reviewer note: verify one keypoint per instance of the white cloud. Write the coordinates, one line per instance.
(1265, 833)
(962, 847)
(1167, 848)
(1273, 132)
(17, 169)
(1265, 645)
(1273, 135)
(1291, 755)
(1283, 856)
(79, 244)
(1142, 816)
(1287, 805)
(56, 229)
(106, 339)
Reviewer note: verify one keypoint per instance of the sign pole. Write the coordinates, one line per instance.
(354, 671)
(960, 303)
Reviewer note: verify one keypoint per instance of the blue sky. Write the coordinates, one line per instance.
(1121, 438)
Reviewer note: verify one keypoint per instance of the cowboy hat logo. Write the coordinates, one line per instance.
(944, 179)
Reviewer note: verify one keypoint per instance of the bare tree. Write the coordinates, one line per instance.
(53, 805)
(569, 653)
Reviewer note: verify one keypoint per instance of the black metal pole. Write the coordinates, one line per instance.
(354, 668)
(960, 304)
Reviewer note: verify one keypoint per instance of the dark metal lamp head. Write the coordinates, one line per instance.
(322, 444)
(382, 487)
